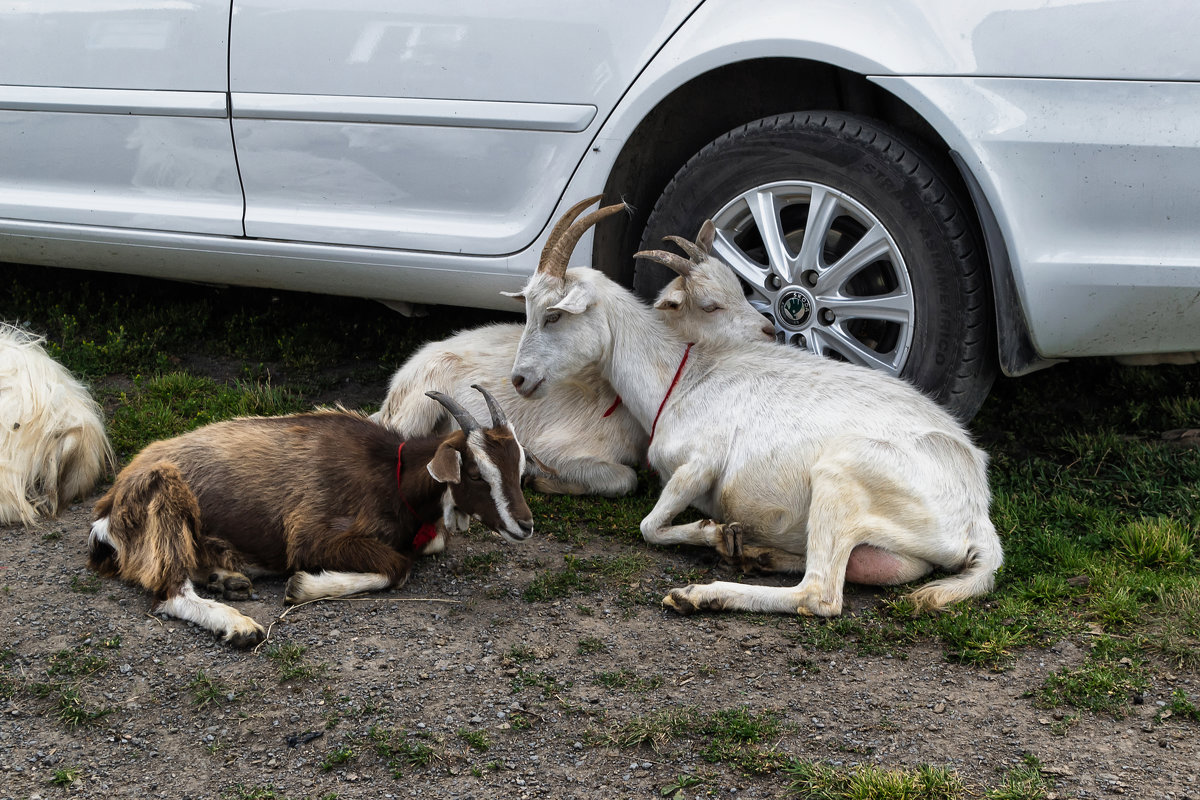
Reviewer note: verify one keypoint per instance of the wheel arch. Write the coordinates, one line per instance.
(728, 96)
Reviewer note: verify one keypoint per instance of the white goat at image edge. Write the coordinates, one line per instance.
(811, 465)
(53, 448)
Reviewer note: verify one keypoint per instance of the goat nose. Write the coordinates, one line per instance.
(517, 380)
(526, 526)
(769, 330)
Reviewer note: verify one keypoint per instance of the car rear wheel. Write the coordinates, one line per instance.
(849, 241)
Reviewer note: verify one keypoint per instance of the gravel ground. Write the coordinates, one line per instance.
(404, 683)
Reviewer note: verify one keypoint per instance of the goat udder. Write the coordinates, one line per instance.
(874, 566)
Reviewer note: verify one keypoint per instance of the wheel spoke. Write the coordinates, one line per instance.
(764, 207)
(836, 339)
(867, 250)
(894, 307)
(822, 211)
(746, 269)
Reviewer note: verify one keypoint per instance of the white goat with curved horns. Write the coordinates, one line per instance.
(814, 465)
(584, 437)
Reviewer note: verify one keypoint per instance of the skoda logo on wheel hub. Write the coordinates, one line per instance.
(794, 308)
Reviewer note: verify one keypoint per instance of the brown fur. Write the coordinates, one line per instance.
(304, 493)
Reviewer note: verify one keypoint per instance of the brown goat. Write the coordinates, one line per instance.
(341, 503)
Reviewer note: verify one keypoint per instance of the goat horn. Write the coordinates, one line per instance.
(561, 226)
(498, 418)
(465, 420)
(695, 252)
(675, 262)
(555, 264)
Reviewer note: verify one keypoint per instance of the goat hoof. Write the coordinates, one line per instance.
(729, 545)
(229, 586)
(682, 602)
(237, 587)
(677, 601)
(758, 561)
(817, 608)
(294, 590)
(245, 636)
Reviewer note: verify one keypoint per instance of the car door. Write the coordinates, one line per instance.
(115, 114)
(447, 127)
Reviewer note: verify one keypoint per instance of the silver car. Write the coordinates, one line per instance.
(934, 188)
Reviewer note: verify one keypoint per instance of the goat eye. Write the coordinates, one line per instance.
(473, 475)
(712, 307)
(552, 317)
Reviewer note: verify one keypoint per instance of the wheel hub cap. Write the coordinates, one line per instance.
(793, 307)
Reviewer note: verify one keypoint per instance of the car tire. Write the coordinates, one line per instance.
(896, 280)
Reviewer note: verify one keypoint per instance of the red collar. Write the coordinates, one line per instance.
(428, 531)
(670, 389)
(613, 407)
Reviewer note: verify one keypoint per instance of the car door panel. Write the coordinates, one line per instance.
(419, 126)
(117, 116)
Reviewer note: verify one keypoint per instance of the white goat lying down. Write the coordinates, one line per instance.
(577, 428)
(53, 447)
(815, 465)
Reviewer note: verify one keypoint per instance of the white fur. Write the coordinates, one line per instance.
(53, 448)
(216, 617)
(491, 474)
(811, 457)
(305, 586)
(564, 426)
(99, 534)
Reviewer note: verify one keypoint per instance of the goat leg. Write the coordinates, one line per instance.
(349, 563)
(686, 483)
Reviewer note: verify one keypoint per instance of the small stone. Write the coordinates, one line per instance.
(940, 708)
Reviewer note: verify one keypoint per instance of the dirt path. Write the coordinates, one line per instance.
(420, 681)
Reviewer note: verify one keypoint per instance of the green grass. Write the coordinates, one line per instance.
(814, 781)
(72, 709)
(78, 662)
(289, 659)
(476, 740)
(337, 757)
(168, 404)
(589, 645)
(207, 690)
(525, 679)
(583, 575)
(65, 776)
(400, 751)
(627, 680)
(242, 792)
(67, 672)
(738, 737)
(818, 781)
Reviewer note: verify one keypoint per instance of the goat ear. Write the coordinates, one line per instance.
(576, 301)
(708, 232)
(518, 296)
(446, 464)
(669, 301)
